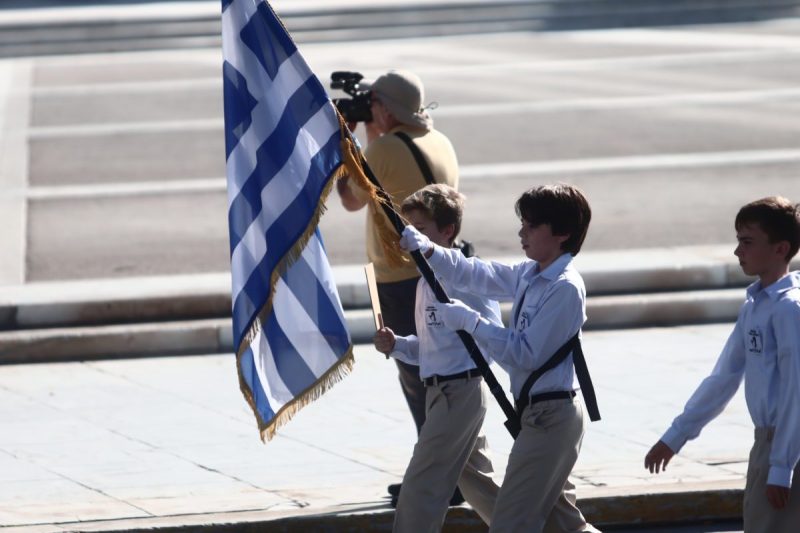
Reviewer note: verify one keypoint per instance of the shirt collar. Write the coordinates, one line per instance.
(554, 270)
(786, 283)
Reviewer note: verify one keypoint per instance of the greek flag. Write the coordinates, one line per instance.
(285, 146)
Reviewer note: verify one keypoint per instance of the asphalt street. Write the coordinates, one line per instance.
(114, 164)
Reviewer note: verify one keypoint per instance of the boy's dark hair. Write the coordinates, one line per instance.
(562, 206)
(777, 217)
(442, 203)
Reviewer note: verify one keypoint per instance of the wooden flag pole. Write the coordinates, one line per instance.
(512, 419)
(372, 287)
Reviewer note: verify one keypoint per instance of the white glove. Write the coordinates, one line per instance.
(412, 240)
(457, 315)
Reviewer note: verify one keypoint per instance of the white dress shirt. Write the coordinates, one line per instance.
(764, 347)
(549, 308)
(435, 348)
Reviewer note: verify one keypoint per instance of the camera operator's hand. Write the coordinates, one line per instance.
(350, 201)
(373, 131)
(341, 185)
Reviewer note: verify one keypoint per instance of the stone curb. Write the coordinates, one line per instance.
(87, 343)
(181, 315)
(215, 335)
(200, 296)
(669, 504)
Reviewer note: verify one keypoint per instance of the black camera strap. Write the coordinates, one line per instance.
(418, 157)
(466, 247)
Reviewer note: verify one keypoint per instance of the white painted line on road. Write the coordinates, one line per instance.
(720, 98)
(525, 168)
(686, 38)
(615, 63)
(122, 128)
(110, 190)
(140, 87)
(645, 162)
(16, 79)
(210, 57)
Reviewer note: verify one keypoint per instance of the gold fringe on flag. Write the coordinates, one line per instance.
(335, 373)
(330, 378)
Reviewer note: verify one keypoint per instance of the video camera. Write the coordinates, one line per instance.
(357, 108)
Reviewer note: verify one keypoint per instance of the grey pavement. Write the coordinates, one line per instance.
(163, 441)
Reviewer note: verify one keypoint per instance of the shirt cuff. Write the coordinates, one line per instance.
(779, 476)
(674, 439)
(400, 348)
(437, 256)
(483, 330)
(472, 322)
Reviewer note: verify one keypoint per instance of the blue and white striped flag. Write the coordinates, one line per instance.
(285, 146)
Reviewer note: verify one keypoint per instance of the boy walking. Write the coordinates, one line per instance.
(549, 309)
(450, 449)
(764, 347)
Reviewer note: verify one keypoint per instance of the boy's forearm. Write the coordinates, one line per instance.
(442, 264)
(472, 274)
(406, 349)
(674, 439)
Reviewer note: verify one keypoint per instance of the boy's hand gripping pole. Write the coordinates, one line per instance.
(512, 422)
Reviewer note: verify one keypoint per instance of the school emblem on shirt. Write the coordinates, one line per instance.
(431, 320)
(524, 320)
(755, 343)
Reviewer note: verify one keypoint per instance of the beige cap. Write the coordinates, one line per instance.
(402, 93)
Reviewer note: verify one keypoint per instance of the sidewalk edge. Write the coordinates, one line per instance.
(673, 504)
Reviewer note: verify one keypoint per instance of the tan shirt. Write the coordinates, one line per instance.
(400, 176)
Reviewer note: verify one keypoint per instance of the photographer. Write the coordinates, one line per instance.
(396, 104)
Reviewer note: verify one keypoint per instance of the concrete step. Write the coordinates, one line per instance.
(190, 314)
(214, 335)
(202, 296)
(117, 341)
(118, 27)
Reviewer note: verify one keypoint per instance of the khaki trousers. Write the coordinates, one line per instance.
(451, 450)
(759, 515)
(536, 494)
